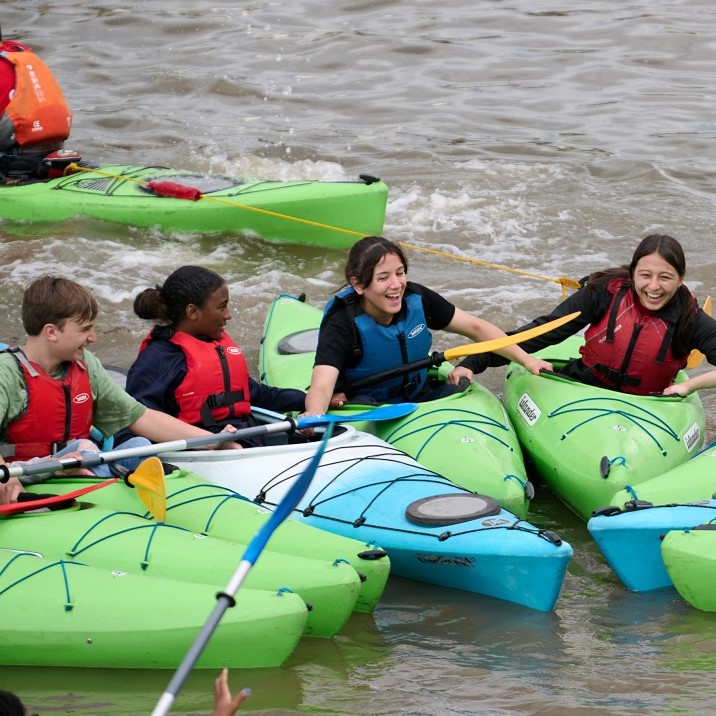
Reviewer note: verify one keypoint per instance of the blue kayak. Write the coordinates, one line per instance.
(630, 529)
(432, 530)
(630, 540)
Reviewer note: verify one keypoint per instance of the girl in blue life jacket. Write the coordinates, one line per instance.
(381, 321)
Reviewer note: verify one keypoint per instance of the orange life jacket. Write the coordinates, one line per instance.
(37, 113)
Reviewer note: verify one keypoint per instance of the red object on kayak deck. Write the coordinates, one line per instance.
(14, 508)
(174, 190)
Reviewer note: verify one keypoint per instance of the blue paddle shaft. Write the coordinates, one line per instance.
(225, 599)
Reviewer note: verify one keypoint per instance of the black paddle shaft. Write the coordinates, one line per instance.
(434, 359)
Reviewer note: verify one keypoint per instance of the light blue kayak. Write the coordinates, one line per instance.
(432, 530)
(629, 530)
(630, 540)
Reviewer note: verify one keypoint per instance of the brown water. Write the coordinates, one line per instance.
(548, 137)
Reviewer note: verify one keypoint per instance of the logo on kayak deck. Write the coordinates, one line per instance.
(233, 350)
(446, 560)
(692, 437)
(528, 409)
(494, 522)
(80, 398)
(416, 331)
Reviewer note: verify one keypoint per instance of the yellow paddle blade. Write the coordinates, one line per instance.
(697, 357)
(148, 479)
(496, 344)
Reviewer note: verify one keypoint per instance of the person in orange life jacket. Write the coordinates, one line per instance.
(188, 365)
(54, 389)
(642, 323)
(34, 117)
(381, 321)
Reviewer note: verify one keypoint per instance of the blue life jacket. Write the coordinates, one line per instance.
(384, 347)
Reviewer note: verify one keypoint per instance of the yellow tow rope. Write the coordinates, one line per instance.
(564, 282)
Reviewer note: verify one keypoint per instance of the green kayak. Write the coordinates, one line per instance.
(690, 559)
(328, 214)
(123, 541)
(466, 437)
(689, 482)
(207, 509)
(61, 612)
(588, 443)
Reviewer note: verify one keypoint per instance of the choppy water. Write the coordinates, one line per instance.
(545, 136)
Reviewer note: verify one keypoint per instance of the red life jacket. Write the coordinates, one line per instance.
(215, 389)
(58, 410)
(37, 113)
(630, 348)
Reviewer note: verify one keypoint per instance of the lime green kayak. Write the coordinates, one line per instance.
(61, 612)
(466, 437)
(589, 443)
(328, 214)
(690, 559)
(123, 541)
(689, 482)
(208, 509)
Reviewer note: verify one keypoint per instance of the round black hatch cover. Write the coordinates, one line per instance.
(299, 342)
(440, 510)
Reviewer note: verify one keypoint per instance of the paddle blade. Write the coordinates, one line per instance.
(696, 357)
(384, 412)
(497, 344)
(148, 480)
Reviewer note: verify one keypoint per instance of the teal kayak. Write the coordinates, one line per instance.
(588, 443)
(690, 560)
(327, 214)
(207, 509)
(630, 539)
(432, 530)
(126, 542)
(630, 529)
(466, 437)
(61, 612)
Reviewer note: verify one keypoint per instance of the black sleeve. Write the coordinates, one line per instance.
(336, 339)
(438, 310)
(280, 400)
(155, 375)
(704, 336)
(592, 305)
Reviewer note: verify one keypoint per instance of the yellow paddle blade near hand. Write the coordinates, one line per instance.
(496, 344)
(148, 480)
(697, 357)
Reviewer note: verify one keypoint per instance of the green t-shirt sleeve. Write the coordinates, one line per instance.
(13, 396)
(114, 408)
